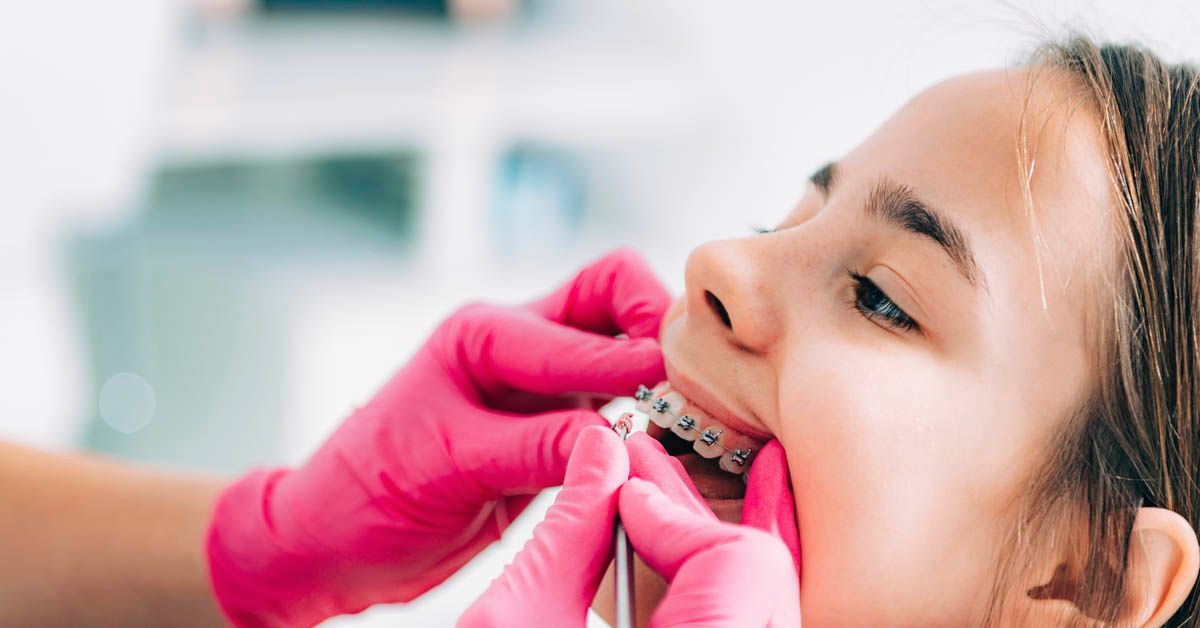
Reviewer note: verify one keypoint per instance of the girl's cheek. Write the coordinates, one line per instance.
(672, 314)
(853, 424)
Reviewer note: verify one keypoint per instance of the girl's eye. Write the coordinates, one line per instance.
(873, 303)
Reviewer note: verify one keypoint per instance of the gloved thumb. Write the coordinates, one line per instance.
(555, 576)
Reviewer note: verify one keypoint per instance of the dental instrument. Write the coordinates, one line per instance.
(622, 550)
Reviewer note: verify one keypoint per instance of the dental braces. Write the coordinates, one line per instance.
(687, 424)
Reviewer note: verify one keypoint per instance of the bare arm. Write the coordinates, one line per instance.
(89, 542)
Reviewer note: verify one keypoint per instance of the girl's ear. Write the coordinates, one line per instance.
(1164, 557)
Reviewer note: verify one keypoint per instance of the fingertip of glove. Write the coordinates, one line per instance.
(598, 456)
(624, 259)
(648, 459)
(772, 450)
(596, 433)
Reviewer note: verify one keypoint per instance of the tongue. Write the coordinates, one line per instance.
(710, 480)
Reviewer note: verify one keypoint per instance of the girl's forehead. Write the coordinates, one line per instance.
(1017, 157)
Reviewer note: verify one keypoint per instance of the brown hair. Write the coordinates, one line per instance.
(1135, 441)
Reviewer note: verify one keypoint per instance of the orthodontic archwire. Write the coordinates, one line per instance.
(687, 424)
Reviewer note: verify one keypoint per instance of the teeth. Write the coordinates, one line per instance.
(736, 461)
(740, 451)
(686, 427)
(665, 408)
(708, 444)
(643, 396)
(709, 438)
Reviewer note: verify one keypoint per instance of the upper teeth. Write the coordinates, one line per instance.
(710, 438)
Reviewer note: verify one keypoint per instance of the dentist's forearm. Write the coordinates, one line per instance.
(88, 542)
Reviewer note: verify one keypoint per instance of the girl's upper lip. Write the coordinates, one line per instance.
(699, 395)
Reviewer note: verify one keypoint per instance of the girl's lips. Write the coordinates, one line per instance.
(699, 396)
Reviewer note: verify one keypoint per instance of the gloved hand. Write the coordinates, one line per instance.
(437, 464)
(721, 574)
(555, 576)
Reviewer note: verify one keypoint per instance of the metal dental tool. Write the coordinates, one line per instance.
(622, 550)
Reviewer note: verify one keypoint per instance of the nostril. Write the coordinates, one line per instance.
(719, 308)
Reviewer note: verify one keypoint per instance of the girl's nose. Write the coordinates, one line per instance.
(726, 288)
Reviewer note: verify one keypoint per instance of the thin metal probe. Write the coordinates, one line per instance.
(623, 551)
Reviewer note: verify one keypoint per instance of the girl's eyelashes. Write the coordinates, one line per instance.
(874, 304)
(869, 300)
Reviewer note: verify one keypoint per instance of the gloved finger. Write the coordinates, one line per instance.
(769, 504)
(666, 533)
(510, 348)
(555, 576)
(616, 294)
(721, 574)
(649, 461)
(746, 582)
(518, 455)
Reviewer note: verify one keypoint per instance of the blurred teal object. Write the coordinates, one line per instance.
(434, 7)
(540, 202)
(193, 294)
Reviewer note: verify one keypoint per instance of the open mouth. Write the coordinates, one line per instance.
(723, 491)
(714, 453)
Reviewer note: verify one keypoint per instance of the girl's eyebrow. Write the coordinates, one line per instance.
(824, 177)
(900, 206)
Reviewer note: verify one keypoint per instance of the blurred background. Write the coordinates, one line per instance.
(226, 222)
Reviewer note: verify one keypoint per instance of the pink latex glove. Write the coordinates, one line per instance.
(720, 574)
(554, 578)
(437, 464)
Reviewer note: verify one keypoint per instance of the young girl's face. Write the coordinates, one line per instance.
(912, 332)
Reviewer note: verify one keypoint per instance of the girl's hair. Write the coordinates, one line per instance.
(1135, 440)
